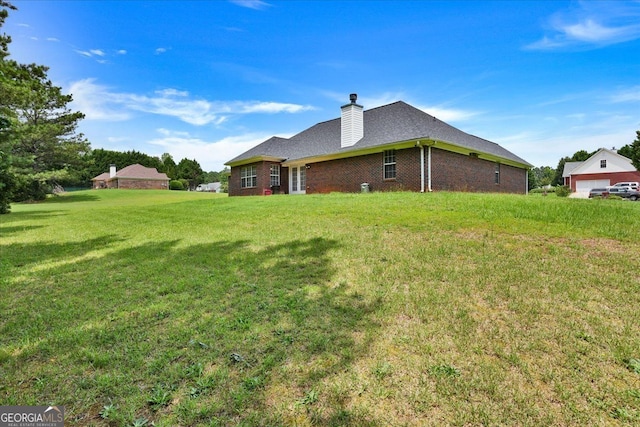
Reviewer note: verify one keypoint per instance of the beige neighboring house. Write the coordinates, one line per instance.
(132, 177)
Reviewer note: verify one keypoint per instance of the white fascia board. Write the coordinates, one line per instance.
(443, 145)
(254, 159)
(591, 165)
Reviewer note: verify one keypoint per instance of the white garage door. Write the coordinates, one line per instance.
(586, 185)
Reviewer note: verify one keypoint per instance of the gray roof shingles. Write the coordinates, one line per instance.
(384, 125)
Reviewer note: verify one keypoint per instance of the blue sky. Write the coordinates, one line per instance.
(207, 80)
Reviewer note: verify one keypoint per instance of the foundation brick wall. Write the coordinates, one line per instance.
(451, 172)
(263, 180)
(140, 184)
(347, 175)
(458, 172)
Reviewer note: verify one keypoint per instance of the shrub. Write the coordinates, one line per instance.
(563, 191)
(541, 190)
(175, 185)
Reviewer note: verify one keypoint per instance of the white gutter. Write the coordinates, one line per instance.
(421, 166)
(429, 167)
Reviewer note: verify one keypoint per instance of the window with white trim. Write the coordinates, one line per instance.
(603, 164)
(248, 177)
(390, 164)
(275, 175)
(497, 178)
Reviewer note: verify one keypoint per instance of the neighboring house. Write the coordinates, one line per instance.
(132, 177)
(393, 147)
(604, 168)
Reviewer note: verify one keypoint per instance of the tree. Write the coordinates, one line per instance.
(168, 165)
(578, 156)
(191, 171)
(7, 176)
(46, 148)
(632, 151)
(532, 180)
(39, 141)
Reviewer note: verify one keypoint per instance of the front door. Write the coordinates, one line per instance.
(297, 180)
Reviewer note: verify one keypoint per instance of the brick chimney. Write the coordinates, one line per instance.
(351, 123)
(112, 171)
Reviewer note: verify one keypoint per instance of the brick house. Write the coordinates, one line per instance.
(604, 168)
(132, 177)
(393, 147)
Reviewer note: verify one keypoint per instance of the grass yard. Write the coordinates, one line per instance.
(383, 309)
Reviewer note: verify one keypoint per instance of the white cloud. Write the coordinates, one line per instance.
(91, 53)
(96, 102)
(113, 139)
(270, 107)
(631, 94)
(210, 154)
(172, 92)
(52, 39)
(100, 103)
(251, 4)
(442, 113)
(591, 25)
(121, 52)
(449, 114)
(160, 50)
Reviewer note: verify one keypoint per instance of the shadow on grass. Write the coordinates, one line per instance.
(5, 231)
(230, 333)
(72, 198)
(25, 254)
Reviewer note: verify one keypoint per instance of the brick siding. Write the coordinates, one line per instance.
(451, 172)
(139, 184)
(263, 180)
(613, 178)
(458, 172)
(347, 175)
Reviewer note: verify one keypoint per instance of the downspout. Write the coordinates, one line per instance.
(421, 166)
(526, 182)
(429, 169)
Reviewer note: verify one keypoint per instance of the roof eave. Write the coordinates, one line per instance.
(139, 178)
(414, 142)
(254, 159)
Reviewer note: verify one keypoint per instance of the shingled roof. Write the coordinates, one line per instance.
(135, 171)
(384, 125)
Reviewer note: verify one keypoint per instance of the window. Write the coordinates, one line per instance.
(248, 177)
(603, 164)
(497, 178)
(275, 175)
(390, 164)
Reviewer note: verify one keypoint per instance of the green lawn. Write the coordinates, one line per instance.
(379, 309)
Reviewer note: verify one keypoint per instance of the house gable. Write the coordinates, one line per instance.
(604, 161)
